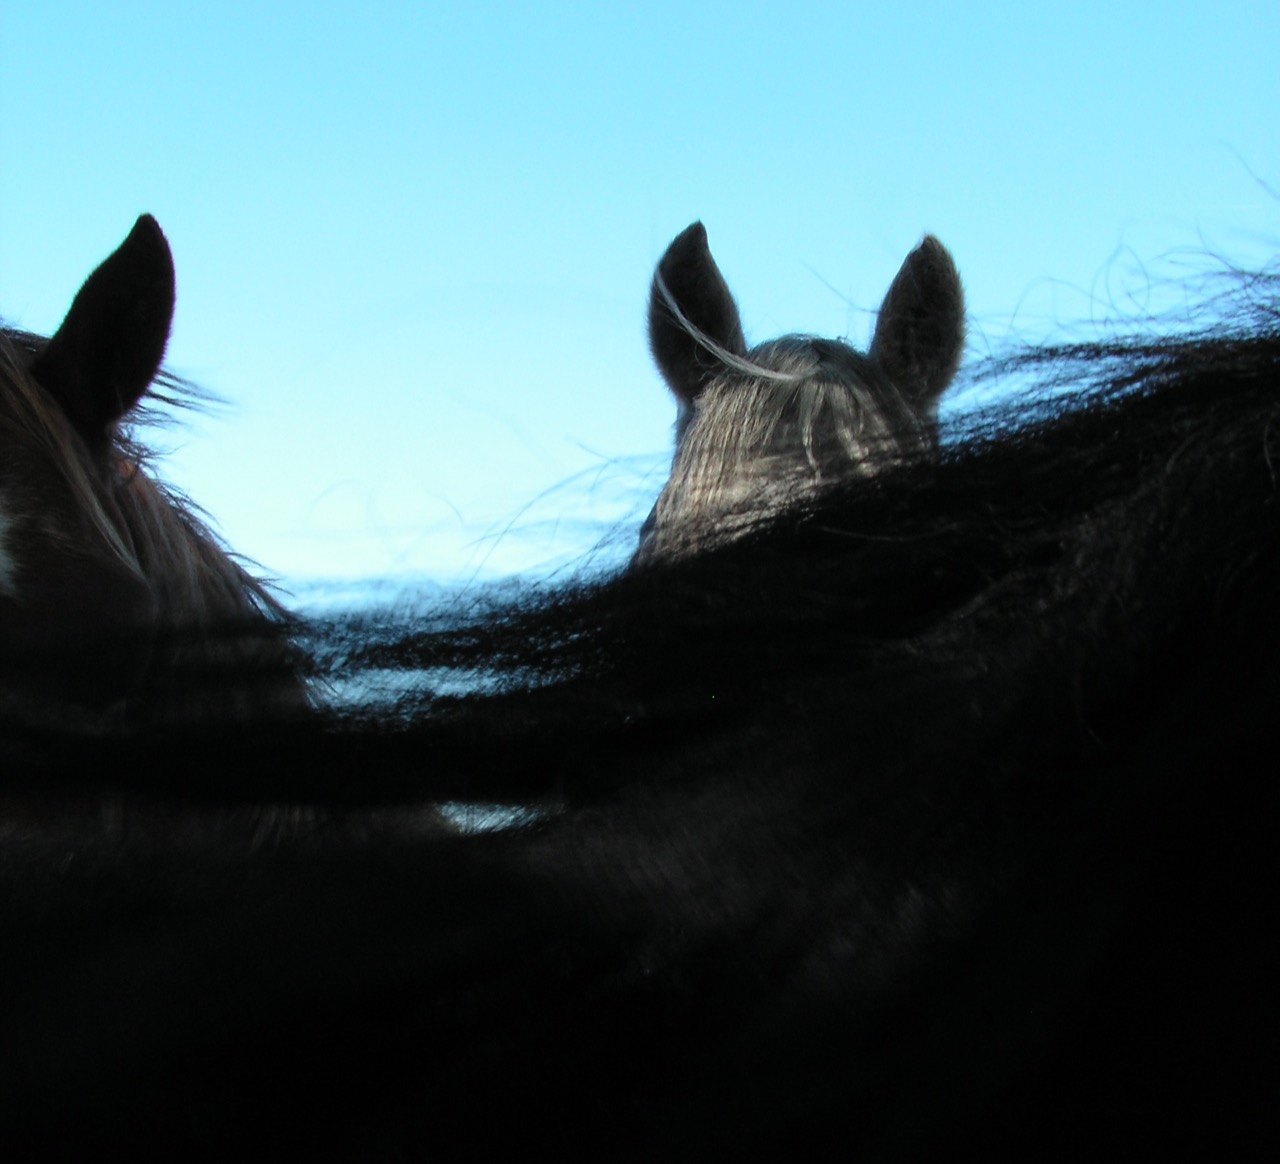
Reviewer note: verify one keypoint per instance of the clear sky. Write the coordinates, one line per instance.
(414, 240)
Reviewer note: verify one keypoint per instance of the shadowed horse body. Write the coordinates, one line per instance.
(930, 812)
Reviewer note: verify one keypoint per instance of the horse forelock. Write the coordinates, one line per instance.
(198, 578)
(795, 414)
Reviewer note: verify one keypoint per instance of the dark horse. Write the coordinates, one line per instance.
(929, 813)
(113, 592)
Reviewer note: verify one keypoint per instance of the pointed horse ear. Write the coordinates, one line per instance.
(688, 283)
(920, 330)
(110, 345)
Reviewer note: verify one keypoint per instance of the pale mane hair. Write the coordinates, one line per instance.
(736, 460)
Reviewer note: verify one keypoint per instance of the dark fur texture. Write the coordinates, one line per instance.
(934, 818)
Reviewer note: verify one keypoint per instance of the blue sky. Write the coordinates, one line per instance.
(413, 241)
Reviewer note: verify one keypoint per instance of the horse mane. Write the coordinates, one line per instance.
(925, 815)
(1106, 431)
(150, 528)
(198, 633)
(849, 418)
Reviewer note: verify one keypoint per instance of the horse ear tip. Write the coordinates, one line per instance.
(146, 226)
(692, 238)
(932, 246)
(146, 232)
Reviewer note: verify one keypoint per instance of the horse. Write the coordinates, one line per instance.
(927, 813)
(113, 591)
(758, 430)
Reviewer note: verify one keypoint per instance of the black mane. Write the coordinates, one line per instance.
(935, 815)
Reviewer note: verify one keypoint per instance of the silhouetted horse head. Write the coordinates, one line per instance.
(108, 580)
(760, 429)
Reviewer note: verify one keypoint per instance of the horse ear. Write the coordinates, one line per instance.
(688, 283)
(920, 331)
(110, 345)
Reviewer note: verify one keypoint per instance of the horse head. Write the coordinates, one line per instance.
(107, 578)
(761, 428)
